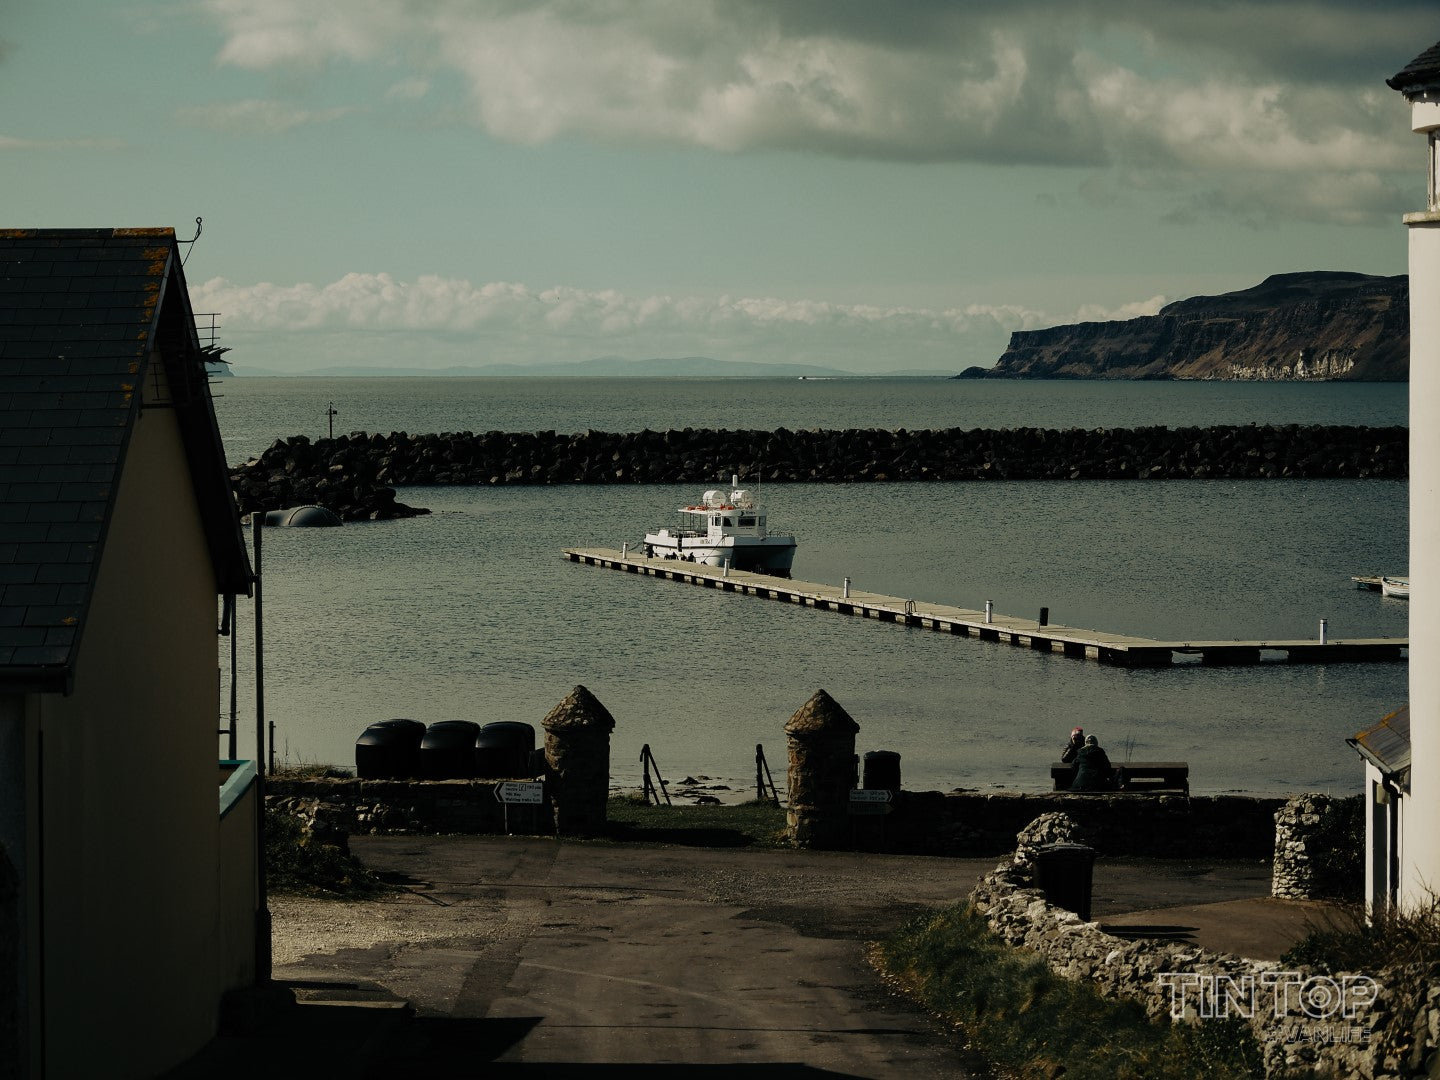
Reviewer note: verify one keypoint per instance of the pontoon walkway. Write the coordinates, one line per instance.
(1108, 648)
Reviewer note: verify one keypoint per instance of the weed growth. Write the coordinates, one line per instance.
(1349, 941)
(296, 865)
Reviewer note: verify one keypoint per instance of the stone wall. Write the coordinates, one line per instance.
(403, 806)
(355, 475)
(923, 822)
(1144, 824)
(1319, 842)
(1395, 1031)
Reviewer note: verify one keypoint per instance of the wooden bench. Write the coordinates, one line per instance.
(1133, 776)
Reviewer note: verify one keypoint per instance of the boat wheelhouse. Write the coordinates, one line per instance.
(726, 528)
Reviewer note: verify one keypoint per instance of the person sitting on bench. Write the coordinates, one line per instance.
(1077, 740)
(1092, 767)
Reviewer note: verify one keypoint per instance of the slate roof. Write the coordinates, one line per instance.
(81, 311)
(1421, 73)
(1387, 744)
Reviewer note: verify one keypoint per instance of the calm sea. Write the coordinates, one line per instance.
(471, 613)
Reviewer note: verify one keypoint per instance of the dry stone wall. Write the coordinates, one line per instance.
(1313, 834)
(1298, 1017)
(333, 806)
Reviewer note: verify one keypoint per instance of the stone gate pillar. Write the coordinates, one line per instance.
(577, 762)
(820, 738)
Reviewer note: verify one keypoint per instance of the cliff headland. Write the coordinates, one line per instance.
(1310, 326)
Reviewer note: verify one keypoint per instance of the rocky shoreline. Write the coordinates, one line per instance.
(355, 475)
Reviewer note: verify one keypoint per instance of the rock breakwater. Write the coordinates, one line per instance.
(355, 475)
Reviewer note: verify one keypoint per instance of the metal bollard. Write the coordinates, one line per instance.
(989, 610)
(1044, 616)
(624, 550)
(1324, 631)
(725, 571)
(845, 589)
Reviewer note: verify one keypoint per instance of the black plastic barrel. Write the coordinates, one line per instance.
(389, 750)
(882, 770)
(1065, 872)
(447, 752)
(502, 750)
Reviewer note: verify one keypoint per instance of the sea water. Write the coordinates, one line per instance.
(471, 612)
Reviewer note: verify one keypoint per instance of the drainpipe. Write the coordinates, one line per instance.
(263, 954)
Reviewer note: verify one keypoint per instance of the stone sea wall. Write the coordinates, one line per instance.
(355, 475)
(1138, 824)
(931, 823)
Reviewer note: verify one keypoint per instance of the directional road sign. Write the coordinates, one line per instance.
(513, 792)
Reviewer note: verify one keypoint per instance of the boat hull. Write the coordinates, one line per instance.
(1399, 588)
(774, 555)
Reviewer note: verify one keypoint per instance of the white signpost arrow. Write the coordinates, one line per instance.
(518, 793)
(514, 792)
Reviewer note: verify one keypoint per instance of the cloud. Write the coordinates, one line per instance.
(8, 142)
(1284, 86)
(447, 320)
(255, 117)
(411, 89)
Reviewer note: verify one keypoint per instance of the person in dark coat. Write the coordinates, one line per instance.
(1092, 767)
(1077, 740)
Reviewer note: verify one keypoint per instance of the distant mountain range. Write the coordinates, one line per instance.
(1309, 326)
(600, 367)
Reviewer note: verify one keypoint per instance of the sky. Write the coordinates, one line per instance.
(876, 187)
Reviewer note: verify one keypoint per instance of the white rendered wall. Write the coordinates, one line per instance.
(1420, 845)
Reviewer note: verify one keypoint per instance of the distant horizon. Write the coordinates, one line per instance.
(696, 367)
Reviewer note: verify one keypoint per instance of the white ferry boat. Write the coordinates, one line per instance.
(725, 528)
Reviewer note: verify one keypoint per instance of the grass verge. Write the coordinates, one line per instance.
(1011, 1010)
(756, 823)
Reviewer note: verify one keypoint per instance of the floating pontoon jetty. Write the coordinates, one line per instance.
(1119, 649)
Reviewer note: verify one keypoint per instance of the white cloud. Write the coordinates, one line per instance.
(9, 142)
(411, 89)
(1272, 85)
(1132, 310)
(255, 117)
(446, 321)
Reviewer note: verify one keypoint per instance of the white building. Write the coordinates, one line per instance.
(1386, 750)
(1419, 864)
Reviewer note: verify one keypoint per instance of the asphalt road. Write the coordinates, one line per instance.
(533, 957)
(537, 957)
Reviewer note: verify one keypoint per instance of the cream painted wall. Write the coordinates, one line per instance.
(239, 893)
(130, 788)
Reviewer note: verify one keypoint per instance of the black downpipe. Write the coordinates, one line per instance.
(263, 953)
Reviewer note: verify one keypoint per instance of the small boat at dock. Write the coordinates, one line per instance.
(726, 528)
(1397, 587)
